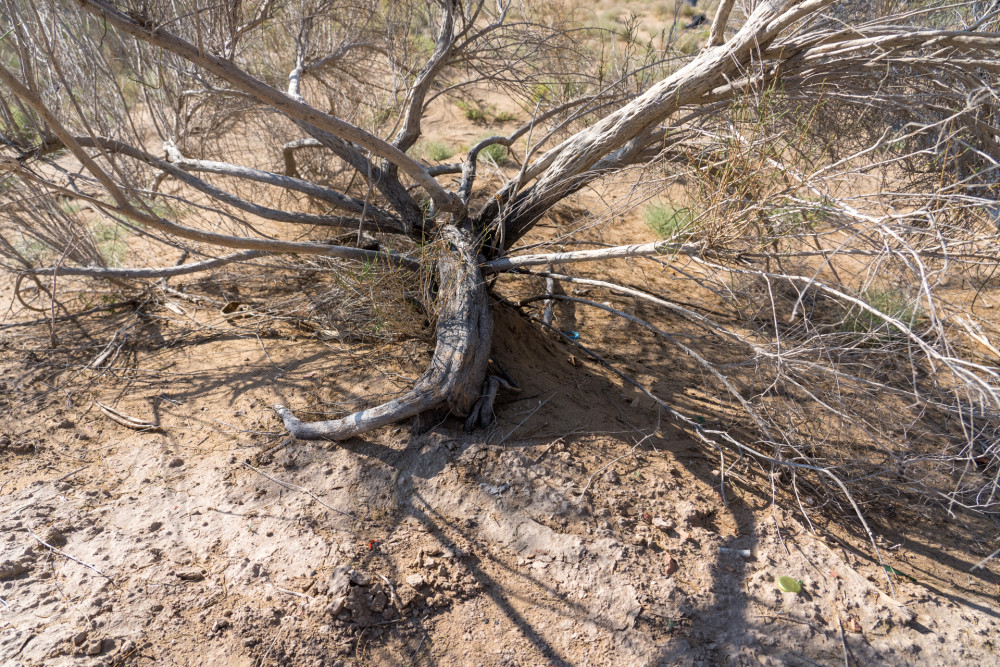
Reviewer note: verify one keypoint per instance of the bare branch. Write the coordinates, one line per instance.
(383, 221)
(279, 101)
(618, 252)
(414, 105)
(717, 36)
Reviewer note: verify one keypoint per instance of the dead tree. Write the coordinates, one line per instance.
(104, 100)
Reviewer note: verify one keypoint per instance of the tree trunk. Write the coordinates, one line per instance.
(456, 376)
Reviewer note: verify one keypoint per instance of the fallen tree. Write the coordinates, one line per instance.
(783, 105)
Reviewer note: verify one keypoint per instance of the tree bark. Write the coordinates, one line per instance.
(456, 377)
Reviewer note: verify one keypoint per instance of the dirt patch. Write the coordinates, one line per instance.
(562, 535)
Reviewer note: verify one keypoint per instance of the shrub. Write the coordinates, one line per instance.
(891, 301)
(473, 111)
(669, 220)
(495, 153)
(437, 150)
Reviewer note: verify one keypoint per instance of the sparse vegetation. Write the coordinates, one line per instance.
(111, 243)
(473, 111)
(484, 114)
(808, 180)
(437, 150)
(891, 302)
(495, 153)
(670, 220)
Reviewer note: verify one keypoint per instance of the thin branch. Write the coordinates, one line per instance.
(67, 556)
(653, 248)
(300, 489)
(717, 36)
(274, 98)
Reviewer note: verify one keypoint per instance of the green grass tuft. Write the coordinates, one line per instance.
(893, 303)
(437, 150)
(669, 220)
(495, 153)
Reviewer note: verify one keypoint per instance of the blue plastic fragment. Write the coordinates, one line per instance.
(573, 335)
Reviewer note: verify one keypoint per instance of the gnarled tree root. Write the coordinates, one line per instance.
(457, 372)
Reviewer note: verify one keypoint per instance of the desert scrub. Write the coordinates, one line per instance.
(891, 302)
(670, 220)
(436, 150)
(473, 111)
(110, 242)
(495, 153)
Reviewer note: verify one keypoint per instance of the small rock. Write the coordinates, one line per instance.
(190, 575)
(337, 584)
(663, 524)
(94, 647)
(415, 580)
(220, 624)
(22, 447)
(337, 605)
(688, 513)
(611, 477)
(65, 423)
(155, 526)
(175, 462)
(53, 536)
(79, 638)
(671, 567)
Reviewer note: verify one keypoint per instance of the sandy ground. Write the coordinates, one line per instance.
(580, 529)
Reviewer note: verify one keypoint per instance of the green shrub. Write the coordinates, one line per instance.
(894, 303)
(25, 127)
(496, 153)
(542, 92)
(669, 220)
(473, 111)
(437, 150)
(111, 243)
